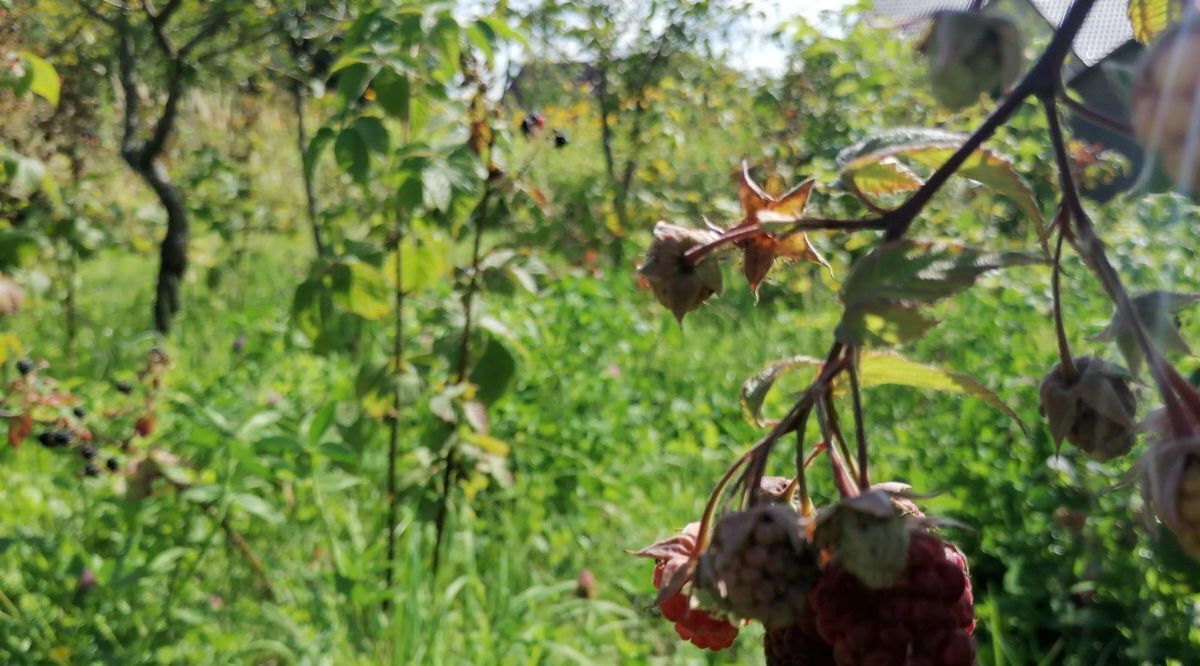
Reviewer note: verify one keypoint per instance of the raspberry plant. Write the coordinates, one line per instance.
(870, 579)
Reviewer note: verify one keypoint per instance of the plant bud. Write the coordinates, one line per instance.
(970, 54)
(1172, 485)
(675, 282)
(867, 536)
(1095, 413)
(1165, 109)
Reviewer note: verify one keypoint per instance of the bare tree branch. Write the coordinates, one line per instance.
(244, 41)
(210, 28)
(158, 27)
(95, 13)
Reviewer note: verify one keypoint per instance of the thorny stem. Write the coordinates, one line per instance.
(397, 362)
(1064, 347)
(1091, 248)
(860, 431)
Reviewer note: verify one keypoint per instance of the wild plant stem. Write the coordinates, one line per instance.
(1091, 248)
(397, 369)
(1094, 116)
(450, 460)
(860, 431)
(394, 430)
(1064, 347)
(1042, 79)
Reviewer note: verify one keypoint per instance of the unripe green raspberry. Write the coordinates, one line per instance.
(971, 54)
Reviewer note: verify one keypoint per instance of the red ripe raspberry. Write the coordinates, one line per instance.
(926, 617)
(692, 624)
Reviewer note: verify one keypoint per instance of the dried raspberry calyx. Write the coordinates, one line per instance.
(1095, 412)
(675, 282)
(1171, 474)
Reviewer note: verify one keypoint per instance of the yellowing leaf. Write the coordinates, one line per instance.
(423, 262)
(486, 443)
(887, 176)
(1150, 17)
(860, 166)
(43, 80)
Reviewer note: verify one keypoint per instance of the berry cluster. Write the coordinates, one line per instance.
(37, 399)
(926, 618)
(862, 581)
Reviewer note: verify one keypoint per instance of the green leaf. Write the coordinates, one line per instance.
(43, 80)
(754, 390)
(373, 133)
(318, 423)
(257, 506)
(486, 443)
(887, 176)
(163, 562)
(501, 29)
(482, 36)
(393, 91)
(879, 368)
(494, 372)
(1150, 17)
(876, 368)
(309, 307)
(350, 151)
(353, 81)
(859, 166)
(886, 289)
(361, 289)
(316, 146)
(436, 185)
(424, 260)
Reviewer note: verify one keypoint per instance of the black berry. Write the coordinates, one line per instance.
(560, 139)
(124, 387)
(88, 452)
(111, 464)
(62, 437)
(91, 470)
(79, 412)
(24, 366)
(46, 439)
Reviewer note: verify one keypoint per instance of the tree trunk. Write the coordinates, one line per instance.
(173, 252)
